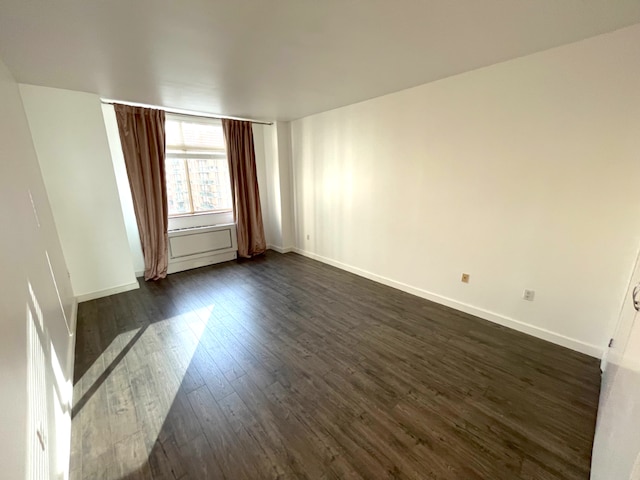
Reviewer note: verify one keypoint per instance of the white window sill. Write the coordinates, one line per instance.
(200, 220)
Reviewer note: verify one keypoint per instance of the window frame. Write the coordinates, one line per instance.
(172, 152)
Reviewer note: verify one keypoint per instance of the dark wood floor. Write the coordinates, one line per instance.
(283, 367)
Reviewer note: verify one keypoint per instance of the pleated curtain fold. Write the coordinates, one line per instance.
(142, 136)
(244, 187)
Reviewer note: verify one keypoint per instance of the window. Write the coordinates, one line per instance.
(196, 166)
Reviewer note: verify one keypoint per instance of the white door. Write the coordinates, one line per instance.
(616, 449)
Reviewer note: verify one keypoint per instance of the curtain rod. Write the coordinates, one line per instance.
(107, 101)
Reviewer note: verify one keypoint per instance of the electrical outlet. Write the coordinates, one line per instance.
(308, 236)
(465, 278)
(529, 295)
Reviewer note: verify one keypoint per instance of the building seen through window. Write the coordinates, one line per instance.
(196, 166)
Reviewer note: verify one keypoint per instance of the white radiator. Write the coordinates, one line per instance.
(197, 247)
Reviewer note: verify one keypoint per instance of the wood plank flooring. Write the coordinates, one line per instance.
(283, 367)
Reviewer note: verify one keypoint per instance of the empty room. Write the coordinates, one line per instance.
(295, 239)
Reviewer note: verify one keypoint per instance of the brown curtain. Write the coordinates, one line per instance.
(142, 138)
(244, 187)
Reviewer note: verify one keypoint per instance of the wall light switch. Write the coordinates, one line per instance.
(465, 278)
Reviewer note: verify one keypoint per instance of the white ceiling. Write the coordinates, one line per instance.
(280, 59)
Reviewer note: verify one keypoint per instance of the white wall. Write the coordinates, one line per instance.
(71, 143)
(259, 133)
(286, 184)
(273, 226)
(37, 309)
(523, 174)
(273, 162)
(124, 190)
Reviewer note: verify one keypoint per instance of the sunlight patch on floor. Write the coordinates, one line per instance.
(155, 354)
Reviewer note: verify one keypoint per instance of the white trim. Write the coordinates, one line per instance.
(74, 317)
(201, 220)
(613, 329)
(85, 297)
(197, 154)
(71, 352)
(202, 261)
(572, 343)
(206, 257)
(281, 249)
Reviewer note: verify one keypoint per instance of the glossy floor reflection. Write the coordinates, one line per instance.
(283, 367)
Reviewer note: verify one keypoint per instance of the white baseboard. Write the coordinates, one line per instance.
(281, 249)
(85, 297)
(572, 343)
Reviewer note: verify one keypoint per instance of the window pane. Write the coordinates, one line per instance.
(177, 188)
(196, 144)
(172, 132)
(210, 187)
(184, 135)
(203, 135)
